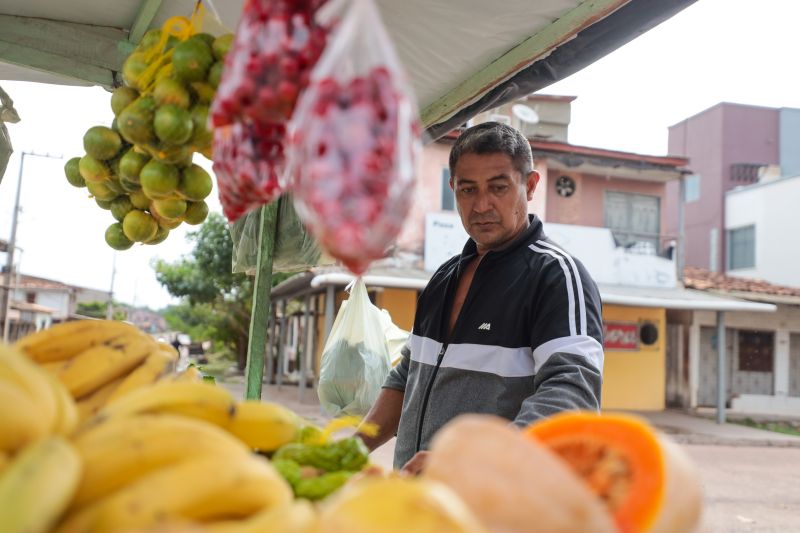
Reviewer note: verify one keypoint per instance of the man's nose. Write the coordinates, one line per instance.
(482, 202)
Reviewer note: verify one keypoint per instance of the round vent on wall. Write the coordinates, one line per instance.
(565, 186)
(648, 333)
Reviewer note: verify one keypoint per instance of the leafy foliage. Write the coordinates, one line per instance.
(98, 309)
(216, 302)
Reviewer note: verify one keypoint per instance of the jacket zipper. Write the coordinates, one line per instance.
(428, 388)
(429, 385)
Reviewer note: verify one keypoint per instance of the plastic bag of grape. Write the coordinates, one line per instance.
(355, 142)
(276, 45)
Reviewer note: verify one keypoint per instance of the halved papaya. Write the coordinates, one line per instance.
(513, 485)
(646, 482)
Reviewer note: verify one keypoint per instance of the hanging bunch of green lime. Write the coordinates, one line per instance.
(140, 169)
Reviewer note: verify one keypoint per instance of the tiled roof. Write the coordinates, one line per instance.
(705, 280)
(33, 282)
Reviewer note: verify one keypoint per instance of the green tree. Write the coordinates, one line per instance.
(216, 302)
(99, 309)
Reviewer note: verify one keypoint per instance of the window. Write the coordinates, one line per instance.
(756, 351)
(742, 248)
(30, 297)
(634, 220)
(691, 188)
(448, 198)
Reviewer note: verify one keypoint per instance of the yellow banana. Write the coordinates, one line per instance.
(156, 365)
(263, 426)
(89, 405)
(105, 362)
(55, 367)
(207, 487)
(168, 349)
(18, 369)
(195, 400)
(296, 517)
(68, 339)
(4, 460)
(191, 374)
(37, 486)
(21, 420)
(123, 450)
(66, 410)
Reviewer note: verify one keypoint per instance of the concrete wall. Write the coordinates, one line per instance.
(713, 140)
(427, 196)
(789, 127)
(772, 208)
(401, 305)
(635, 380)
(785, 323)
(54, 300)
(586, 206)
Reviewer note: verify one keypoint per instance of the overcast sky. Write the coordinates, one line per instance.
(716, 50)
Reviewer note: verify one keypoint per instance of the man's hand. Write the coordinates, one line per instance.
(416, 464)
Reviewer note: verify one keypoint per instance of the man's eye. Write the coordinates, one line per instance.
(467, 190)
(500, 188)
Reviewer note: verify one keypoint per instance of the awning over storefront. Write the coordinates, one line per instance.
(405, 278)
(677, 298)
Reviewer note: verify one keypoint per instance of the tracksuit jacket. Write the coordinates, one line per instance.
(527, 342)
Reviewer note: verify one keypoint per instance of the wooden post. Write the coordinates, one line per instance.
(259, 316)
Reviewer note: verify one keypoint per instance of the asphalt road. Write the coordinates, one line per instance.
(749, 488)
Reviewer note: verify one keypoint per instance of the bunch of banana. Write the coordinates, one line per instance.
(261, 426)
(155, 450)
(99, 360)
(35, 404)
(37, 485)
(143, 469)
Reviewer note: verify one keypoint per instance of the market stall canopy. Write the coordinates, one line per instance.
(463, 56)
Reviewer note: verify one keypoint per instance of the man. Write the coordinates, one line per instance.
(511, 327)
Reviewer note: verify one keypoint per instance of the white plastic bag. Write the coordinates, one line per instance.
(355, 361)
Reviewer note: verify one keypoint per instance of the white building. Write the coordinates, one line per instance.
(59, 297)
(762, 231)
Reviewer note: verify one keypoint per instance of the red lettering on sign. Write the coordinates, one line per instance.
(620, 336)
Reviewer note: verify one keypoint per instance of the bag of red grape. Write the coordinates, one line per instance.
(355, 140)
(277, 43)
(248, 162)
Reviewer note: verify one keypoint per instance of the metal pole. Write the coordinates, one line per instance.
(302, 361)
(259, 315)
(12, 241)
(330, 295)
(721, 370)
(110, 308)
(270, 345)
(681, 251)
(281, 346)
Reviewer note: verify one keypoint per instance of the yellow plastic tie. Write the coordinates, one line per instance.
(344, 422)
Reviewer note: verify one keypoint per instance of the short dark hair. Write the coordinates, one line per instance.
(492, 138)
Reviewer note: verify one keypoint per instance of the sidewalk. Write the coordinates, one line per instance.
(687, 429)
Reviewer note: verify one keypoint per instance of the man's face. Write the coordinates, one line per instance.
(492, 198)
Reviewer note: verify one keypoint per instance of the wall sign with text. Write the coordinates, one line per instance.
(620, 336)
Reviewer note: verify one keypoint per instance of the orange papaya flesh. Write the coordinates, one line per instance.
(618, 456)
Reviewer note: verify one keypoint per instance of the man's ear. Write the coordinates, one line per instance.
(530, 186)
(452, 184)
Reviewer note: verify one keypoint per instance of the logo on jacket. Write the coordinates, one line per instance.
(486, 326)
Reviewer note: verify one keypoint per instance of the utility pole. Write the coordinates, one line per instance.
(12, 242)
(110, 308)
